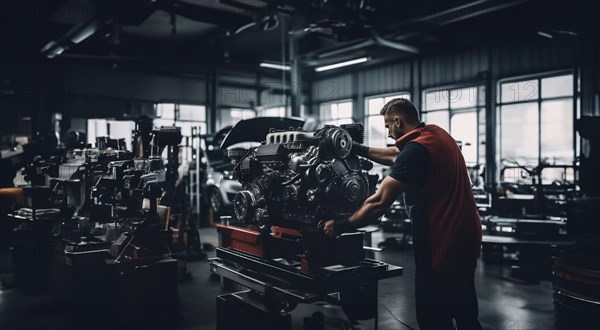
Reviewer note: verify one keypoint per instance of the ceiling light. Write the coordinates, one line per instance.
(275, 66)
(84, 32)
(341, 64)
(52, 49)
(545, 35)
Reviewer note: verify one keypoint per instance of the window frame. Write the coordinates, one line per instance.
(177, 119)
(347, 100)
(260, 111)
(478, 108)
(222, 109)
(539, 100)
(107, 122)
(366, 114)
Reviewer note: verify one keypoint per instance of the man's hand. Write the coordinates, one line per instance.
(372, 208)
(328, 228)
(332, 228)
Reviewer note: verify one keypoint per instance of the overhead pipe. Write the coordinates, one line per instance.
(375, 40)
(380, 41)
(437, 18)
(75, 35)
(103, 16)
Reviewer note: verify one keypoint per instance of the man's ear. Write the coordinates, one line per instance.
(398, 121)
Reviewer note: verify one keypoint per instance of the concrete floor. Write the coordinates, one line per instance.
(504, 303)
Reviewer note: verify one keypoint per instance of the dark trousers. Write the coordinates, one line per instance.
(440, 300)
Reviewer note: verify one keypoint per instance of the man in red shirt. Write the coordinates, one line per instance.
(429, 170)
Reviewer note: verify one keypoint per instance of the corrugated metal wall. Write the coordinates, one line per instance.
(236, 97)
(388, 79)
(333, 89)
(532, 57)
(453, 68)
(527, 57)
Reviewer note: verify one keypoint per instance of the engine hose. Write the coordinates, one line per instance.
(296, 177)
(243, 157)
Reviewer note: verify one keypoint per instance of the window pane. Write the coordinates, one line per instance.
(557, 86)
(232, 116)
(345, 110)
(439, 118)
(376, 131)
(557, 174)
(519, 91)
(325, 112)
(482, 137)
(120, 129)
(557, 131)
(186, 128)
(165, 110)
(463, 98)
(272, 112)
(519, 132)
(337, 122)
(436, 100)
(163, 122)
(96, 128)
(192, 112)
(375, 128)
(333, 113)
(464, 129)
(375, 105)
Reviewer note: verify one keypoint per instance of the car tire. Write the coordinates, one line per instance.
(215, 201)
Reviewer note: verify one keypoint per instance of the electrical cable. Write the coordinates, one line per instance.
(395, 318)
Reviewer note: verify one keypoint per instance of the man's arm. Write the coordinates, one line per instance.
(384, 156)
(374, 207)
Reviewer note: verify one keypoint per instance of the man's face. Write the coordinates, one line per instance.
(393, 124)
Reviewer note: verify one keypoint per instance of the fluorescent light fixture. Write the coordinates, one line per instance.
(275, 66)
(52, 49)
(341, 64)
(85, 32)
(545, 35)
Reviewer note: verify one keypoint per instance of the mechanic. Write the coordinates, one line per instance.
(429, 169)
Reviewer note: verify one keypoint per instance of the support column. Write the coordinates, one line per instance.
(296, 86)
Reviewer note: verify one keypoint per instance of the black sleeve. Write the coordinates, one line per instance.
(412, 165)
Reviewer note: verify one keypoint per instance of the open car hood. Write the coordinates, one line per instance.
(256, 129)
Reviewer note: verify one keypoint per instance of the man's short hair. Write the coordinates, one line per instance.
(403, 107)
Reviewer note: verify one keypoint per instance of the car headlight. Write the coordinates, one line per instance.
(504, 229)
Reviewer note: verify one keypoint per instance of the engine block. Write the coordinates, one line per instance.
(296, 179)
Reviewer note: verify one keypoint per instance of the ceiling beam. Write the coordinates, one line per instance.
(204, 14)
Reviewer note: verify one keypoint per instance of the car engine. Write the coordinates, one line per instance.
(295, 179)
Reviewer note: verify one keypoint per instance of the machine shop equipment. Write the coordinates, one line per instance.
(291, 183)
(100, 207)
(134, 241)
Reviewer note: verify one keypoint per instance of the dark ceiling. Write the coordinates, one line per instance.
(242, 33)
